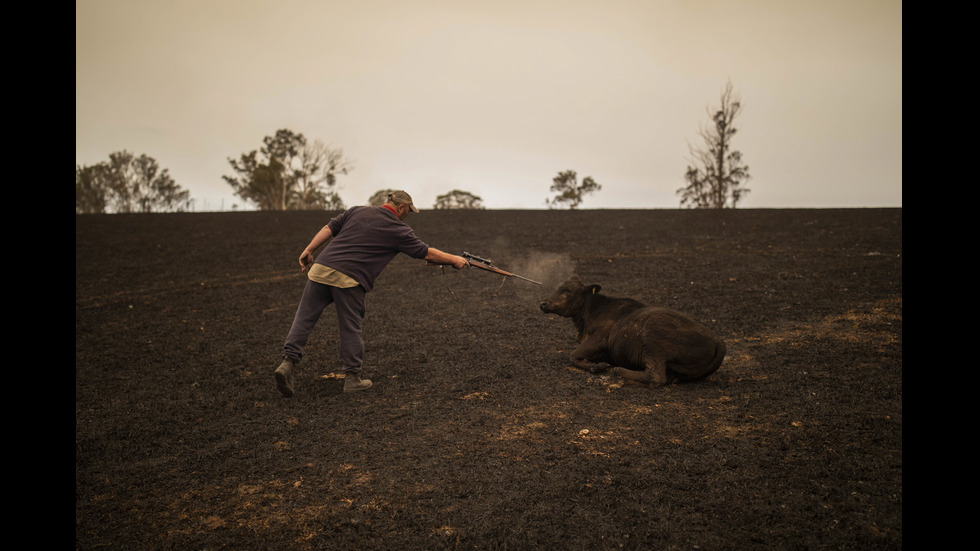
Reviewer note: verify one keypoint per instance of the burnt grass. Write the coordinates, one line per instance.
(477, 434)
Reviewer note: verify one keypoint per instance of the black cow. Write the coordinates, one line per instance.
(644, 343)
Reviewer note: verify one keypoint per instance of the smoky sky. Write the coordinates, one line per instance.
(496, 98)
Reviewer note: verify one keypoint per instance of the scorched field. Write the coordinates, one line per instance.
(477, 433)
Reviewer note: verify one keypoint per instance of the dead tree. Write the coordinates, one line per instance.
(716, 174)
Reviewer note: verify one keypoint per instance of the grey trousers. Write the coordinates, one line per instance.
(350, 312)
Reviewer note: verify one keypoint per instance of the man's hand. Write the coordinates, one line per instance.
(321, 237)
(305, 260)
(435, 256)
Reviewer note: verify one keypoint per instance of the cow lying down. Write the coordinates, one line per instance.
(643, 343)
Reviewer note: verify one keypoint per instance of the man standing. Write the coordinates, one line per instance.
(364, 240)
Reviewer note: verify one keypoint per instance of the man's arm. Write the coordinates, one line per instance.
(321, 237)
(436, 256)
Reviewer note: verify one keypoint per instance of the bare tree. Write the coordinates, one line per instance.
(715, 177)
(569, 192)
(458, 199)
(317, 181)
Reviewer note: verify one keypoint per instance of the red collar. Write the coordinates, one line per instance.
(391, 209)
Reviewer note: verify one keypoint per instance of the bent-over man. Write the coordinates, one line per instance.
(362, 241)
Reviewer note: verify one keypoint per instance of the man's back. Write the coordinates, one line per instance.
(365, 240)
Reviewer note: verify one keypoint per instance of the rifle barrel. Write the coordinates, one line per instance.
(526, 279)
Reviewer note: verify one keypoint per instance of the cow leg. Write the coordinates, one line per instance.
(655, 372)
(581, 356)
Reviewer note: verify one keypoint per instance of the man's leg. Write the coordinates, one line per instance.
(350, 314)
(315, 298)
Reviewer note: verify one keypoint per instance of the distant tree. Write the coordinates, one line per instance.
(91, 189)
(127, 183)
(569, 193)
(380, 197)
(288, 172)
(317, 184)
(457, 199)
(715, 177)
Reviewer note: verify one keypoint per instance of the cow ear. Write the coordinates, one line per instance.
(593, 289)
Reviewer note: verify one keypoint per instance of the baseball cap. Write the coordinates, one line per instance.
(402, 198)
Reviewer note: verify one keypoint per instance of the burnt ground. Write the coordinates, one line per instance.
(477, 434)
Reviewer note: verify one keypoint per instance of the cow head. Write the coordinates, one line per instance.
(569, 298)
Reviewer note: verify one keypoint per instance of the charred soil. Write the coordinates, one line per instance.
(477, 434)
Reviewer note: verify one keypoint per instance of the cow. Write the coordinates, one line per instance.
(643, 343)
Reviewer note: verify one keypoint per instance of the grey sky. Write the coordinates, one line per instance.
(497, 97)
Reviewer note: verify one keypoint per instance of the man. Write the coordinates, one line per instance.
(364, 240)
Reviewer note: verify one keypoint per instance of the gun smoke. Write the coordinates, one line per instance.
(549, 268)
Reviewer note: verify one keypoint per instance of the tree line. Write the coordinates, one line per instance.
(127, 183)
(290, 172)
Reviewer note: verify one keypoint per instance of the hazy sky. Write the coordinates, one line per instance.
(496, 97)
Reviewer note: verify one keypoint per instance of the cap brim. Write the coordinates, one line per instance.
(414, 209)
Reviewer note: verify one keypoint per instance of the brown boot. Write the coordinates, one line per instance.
(353, 382)
(284, 377)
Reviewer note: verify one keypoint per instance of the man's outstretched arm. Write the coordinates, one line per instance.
(436, 256)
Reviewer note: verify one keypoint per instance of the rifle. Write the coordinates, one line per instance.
(486, 264)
